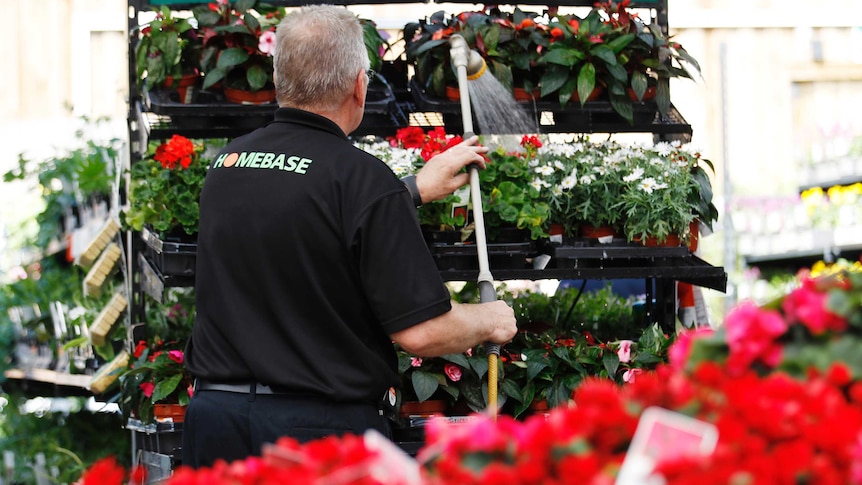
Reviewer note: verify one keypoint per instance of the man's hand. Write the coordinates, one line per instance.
(442, 175)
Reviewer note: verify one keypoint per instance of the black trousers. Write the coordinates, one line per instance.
(232, 425)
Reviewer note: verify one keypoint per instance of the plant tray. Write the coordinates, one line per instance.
(592, 117)
(461, 256)
(591, 254)
(162, 438)
(209, 109)
(171, 256)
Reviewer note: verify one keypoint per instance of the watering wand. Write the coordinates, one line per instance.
(469, 65)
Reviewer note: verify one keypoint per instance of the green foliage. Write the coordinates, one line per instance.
(68, 182)
(166, 197)
(71, 441)
(509, 197)
(231, 52)
(567, 337)
(168, 48)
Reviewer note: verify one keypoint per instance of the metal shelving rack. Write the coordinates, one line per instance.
(159, 118)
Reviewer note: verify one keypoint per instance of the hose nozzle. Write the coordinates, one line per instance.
(462, 55)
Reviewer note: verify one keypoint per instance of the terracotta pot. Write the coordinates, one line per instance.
(175, 412)
(597, 91)
(521, 94)
(183, 86)
(672, 240)
(648, 94)
(424, 408)
(694, 231)
(264, 96)
(593, 232)
(453, 93)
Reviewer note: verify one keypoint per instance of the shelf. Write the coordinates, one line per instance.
(58, 383)
(614, 262)
(793, 261)
(210, 116)
(184, 4)
(593, 117)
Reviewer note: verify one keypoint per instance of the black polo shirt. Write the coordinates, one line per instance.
(309, 256)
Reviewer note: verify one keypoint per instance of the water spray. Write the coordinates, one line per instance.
(469, 65)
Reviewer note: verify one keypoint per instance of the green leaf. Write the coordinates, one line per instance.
(257, 77)
(165, 387)
(586, 81)
(639, 84)
(424, 384)
(562, 57)
(611, 362)
(553, 79)
(231, 57)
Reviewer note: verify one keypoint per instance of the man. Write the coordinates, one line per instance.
(311, 263)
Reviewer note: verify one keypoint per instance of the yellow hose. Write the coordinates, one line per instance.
(492, 385)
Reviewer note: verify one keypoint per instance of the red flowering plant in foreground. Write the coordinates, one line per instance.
(816, 325)
(165, 187)
(793, 419)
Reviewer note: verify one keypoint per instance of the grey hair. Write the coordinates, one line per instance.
(320, 49)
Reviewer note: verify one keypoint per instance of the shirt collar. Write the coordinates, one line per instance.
(309, 119)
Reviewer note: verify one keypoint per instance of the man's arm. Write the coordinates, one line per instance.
(461, 328)
(442, 175)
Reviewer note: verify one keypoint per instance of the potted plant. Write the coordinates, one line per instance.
(168, 54)
(511, 191)
(582, 182)
(155, 379)
(651, 59)
(583, 58)
(164, 188)
(666, 190)
(238, 44)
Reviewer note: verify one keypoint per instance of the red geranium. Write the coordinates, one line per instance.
(177, 151)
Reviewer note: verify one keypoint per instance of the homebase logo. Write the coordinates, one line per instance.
(265, 160)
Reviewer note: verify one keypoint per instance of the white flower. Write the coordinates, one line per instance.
(545, 170)
(649, 184)
(636, 174)
(569, 181)
(588, 179)
(538, 184)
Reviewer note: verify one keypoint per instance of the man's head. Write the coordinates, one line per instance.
(320, 51)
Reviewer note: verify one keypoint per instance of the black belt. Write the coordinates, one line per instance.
(239, 387)
(255, 388)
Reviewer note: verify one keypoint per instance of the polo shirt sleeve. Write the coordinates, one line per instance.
(398, 273)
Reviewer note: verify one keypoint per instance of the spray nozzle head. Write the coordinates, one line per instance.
(462, 55)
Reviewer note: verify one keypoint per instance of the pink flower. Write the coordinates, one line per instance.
(631, 374)
(176, 356)
(625, 351)
(266, 43)
(416, 361)
(148, 387)
(807, 305)
(751, 336)
(680, 351)
(453, 372)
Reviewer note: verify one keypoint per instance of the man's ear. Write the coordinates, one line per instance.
(360, 89)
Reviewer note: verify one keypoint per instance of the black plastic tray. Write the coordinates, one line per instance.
(466, 256)
(596, 116)
(175, 257)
